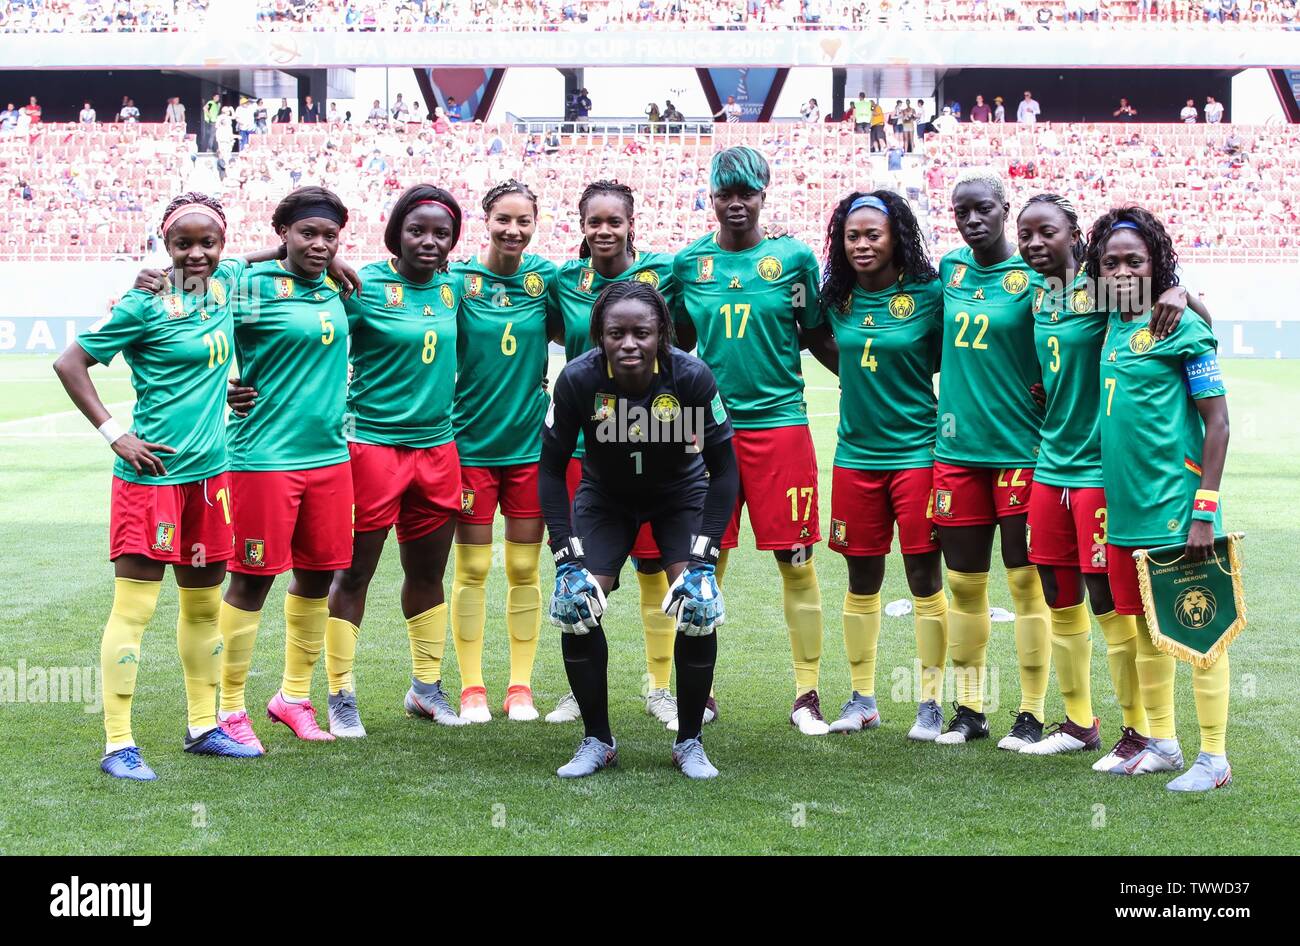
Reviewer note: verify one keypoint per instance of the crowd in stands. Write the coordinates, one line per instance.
(98, 16)
(96, 191)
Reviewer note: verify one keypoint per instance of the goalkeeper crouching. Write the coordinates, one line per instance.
(659, 451)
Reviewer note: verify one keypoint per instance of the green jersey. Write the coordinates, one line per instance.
(177, 345)
(403, 338)
(501, 358)
(291, 339)
(577, 285)
(889, 351)
(987, 417)
(1068, 332)
(747, 308)
(1152, 434)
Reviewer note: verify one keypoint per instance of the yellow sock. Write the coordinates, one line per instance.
(1072, 655)
(340, 653)
(660, 629)
(1155, 672)
(1120, 631)
(968, 635)
(1211, 688)
(931, 621)
(721, 568)
(1033, 638)
(803, 617)
(199, 644)
(427, 632)
(119, 652)
(861, 639)
(523, 608)
(304, 636)
(238, 635)
(469, 610)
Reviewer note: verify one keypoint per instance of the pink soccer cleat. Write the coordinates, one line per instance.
(238, 728)
(300, 717)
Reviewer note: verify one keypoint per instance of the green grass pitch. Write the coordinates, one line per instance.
(412, 787)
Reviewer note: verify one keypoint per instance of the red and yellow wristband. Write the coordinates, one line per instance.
(1205, 505)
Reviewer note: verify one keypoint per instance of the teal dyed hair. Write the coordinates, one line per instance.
(739, 167)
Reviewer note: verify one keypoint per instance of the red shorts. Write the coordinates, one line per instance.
(293, 519)
(513, 487)
(1067, 527)
(644, 547)
(183, 523)
(778, 479)
(1123, 573)
(979, 496)
(865, 504)
(416, 489)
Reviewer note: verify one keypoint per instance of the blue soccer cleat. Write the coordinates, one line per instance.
(216, 742)
(688, 755)
(857, 714)
(1208, 772)
(592, 756)
(126, 763)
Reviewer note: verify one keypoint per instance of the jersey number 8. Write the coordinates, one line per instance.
(430, 347)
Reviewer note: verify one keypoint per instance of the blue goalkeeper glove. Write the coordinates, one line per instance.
(578, 601)
(695, 599)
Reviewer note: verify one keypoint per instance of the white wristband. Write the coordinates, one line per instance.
(111, 431)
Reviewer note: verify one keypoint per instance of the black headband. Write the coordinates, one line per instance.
(325, 211)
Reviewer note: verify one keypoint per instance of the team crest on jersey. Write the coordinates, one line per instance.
(255, 553)
(958, 274)
(163, 537)
(1038, 299)
(534, 285)
(218, 292)
(704, 269)
(175, 306)
(943, 502)
(586, 280)
(902, 306)
(447, 296)
(1141, 341)
(839, 532)
(473, 286)
(605, 405)
(769, 267)
(649, 277)
(283, 287)
(393, 296)
(665, 408)
(467, 501)
(1015, 282)
(735, 283)
(1080, 301)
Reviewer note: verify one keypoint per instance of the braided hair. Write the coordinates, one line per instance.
(604, 188)
(192, 197)
(509, 186)
(1077, 247)
(641, 292)
(411, 198)
(1164, 258)
(305, 196)
(910, 254)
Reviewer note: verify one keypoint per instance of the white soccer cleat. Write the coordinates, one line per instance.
(1066, 737)
(929, 722)
(806, 715)
(519, 705)
(1131, 742)
(345, 721)
(1159, 755)
(473, 705)
(566, 711)
(662, 705)
(857, 714)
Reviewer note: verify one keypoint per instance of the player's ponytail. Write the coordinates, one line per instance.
(641, 292)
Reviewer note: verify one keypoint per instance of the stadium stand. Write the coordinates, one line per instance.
(98, 16)
(85, 193)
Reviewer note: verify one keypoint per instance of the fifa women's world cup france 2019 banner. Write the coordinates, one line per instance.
(1194, 609)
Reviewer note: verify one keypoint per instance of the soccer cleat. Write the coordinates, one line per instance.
(126, 763)
(519, 704)
(662, 705)
(710, 714)
(1131, 742)
(566, 711)
(806, 715)
(345, 721)
(592, 756)
(1025, 731)
(238, 728)
(1158, 755)
(929, 722)
(689, 756)
(1208, 772)
(299, 717)
(857, 714)
(216, 741)
(473, 705)
(427, 701)
(966, 726)
(1067, 737)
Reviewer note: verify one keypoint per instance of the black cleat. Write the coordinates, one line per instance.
(966, 726)
(1025, 731)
